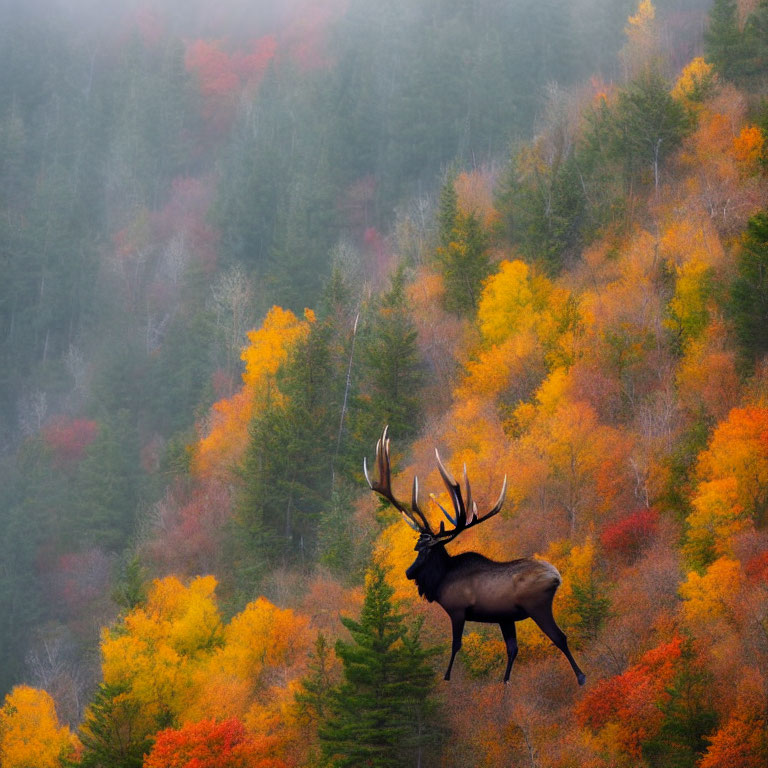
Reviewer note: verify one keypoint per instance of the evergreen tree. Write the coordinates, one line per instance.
(131, 588)
(316, 686)
(749, 292)
(288, 467)
(465, 262)
(108, 486)
(649, 125)
(756, 44)
(392, 370)
(724, 43)
(382, 714)
(111, 734)
(448, 209)
(689, 716)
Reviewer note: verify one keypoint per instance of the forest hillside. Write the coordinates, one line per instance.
(238, 239)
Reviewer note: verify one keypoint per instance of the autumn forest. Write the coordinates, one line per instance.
(238, 238)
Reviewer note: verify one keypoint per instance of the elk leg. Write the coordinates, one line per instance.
(510, 639)
(457, 624)
(546, 623)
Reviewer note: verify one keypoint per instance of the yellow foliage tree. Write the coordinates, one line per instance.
(154, 654)
(695, 83)
(227, 436)
(30, 734)
(642, 38)
(732, 488)
(709, 597)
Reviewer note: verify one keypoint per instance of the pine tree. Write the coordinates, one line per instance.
(316, 686)
(724, 43)
(287, 471)
(381, 714)
(689, 716)
(447, 211)
(464, 262)
(749, 292)
(393, 374)
(110, 734)
(649, 124)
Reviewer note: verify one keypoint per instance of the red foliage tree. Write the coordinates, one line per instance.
(630, 702)
(69, 438)
(209, 744)
(627, 536)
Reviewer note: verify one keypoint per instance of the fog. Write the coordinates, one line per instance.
(168, 172)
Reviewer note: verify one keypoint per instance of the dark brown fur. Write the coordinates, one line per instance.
(470, 587)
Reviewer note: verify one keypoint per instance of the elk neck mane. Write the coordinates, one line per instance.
(437, 566)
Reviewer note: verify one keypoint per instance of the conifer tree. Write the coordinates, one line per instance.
(110, 734)
(380, 715)
(448, 209)
(393, 372)
(749, 292)
(649, 124)
(723, 41)
(464, 263)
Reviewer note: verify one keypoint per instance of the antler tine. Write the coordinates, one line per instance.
(494, 510)
(461, 524)
(471, 506)
(454, 489)
(383, 486)
(451, 520)
(415, 504)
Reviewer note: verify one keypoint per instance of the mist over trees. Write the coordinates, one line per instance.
(238, 238)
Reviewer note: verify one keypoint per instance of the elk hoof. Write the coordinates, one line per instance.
(582, 678)
(447, 677)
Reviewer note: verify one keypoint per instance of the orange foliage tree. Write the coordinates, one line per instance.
(30, 734)
(732, 489)
(226, 438)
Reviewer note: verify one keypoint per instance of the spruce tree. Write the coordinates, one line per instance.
(464, 262)
(393, 374)
(649, 124)
(381, 714)
(724, 44)
(749, 292)
(111, 733)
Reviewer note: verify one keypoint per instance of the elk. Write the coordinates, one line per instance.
(469, 586)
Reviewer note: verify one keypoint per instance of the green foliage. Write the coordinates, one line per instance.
(340, 545)
(464, 263)
(689, 716)
(288, 468)
(382, 713)
(448, 210)
(738, 53)
(748, 304)
(392, 370)
(317, 686)
(591, 604)
(723, 42)
(108, 486)
(649, 125)
(544, 211)
(108, 735)
(131, 588)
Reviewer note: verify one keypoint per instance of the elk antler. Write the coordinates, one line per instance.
(413, 515)
(460, 507)
(383, 486)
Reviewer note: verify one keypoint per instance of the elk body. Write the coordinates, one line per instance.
(469, 586)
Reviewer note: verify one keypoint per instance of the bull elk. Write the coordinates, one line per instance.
(469, 586)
